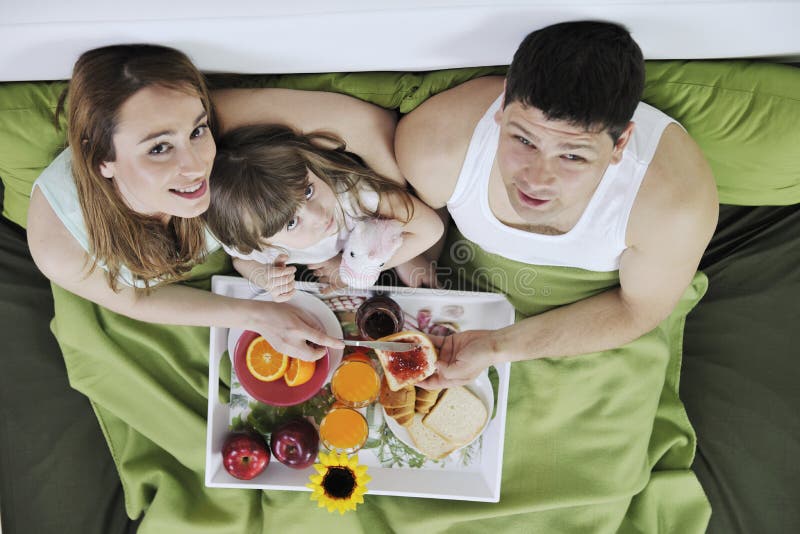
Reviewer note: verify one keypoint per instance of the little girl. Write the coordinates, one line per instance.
(279, 197)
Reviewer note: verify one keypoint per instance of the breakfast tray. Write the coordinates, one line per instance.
(472, 473)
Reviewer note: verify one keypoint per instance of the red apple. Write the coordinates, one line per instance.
(245, 454)
(295, 443)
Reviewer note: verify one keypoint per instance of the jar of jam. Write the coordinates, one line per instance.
(379, 316)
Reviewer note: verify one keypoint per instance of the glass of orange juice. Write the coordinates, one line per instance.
(355, 383)
(343, 430)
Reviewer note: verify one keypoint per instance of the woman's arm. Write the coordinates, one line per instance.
(64, 262)
(367, 129)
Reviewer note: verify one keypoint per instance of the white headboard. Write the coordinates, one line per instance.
(40, 39)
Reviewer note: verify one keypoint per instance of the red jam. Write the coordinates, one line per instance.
(407, 365)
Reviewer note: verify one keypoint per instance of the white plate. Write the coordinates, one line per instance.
(482, 387)
(312, 305)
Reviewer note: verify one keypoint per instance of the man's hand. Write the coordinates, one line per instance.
(277, 279)
(462, 357)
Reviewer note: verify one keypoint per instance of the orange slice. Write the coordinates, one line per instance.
(264, 362)
(299, 372)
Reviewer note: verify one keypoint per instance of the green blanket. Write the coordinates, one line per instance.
(597, 443)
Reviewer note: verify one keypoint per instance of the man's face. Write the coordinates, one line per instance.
(551, 168)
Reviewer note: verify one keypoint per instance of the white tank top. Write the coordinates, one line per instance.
(597, 240)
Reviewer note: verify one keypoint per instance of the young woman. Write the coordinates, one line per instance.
(115, 218)
(281, 197)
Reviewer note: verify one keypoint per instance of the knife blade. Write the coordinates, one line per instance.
(394, 346)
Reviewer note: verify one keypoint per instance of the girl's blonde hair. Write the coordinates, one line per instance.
(103, 79)
(260, 176)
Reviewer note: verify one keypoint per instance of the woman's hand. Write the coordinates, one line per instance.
(291, 331)
(462, 357)
(277, 279)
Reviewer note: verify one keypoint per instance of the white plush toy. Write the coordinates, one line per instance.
(370, 245)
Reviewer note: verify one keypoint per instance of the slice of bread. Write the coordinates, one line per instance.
(403, 369)
(458, 416)
(427, 441)
(425, 399)
(398, 405)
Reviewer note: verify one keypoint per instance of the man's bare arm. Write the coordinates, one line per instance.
(669, 230)
(431, 141)
(63, 261)
(672, 222)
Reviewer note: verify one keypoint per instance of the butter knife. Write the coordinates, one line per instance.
(393, 346)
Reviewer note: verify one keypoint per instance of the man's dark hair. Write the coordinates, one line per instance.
(588, 73)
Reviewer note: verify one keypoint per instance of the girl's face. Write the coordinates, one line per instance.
(164, 152)
(316, 219)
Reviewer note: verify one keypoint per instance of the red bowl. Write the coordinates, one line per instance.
(276, 393)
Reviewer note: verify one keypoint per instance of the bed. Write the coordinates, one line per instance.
(75, 458)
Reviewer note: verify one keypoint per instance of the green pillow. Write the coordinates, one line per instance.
(743, 114)
(440, 80)
(29, 140)
(386, 89)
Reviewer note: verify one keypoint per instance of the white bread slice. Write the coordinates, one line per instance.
(458, 416)
(398, 405)
(427, 441)
(403, 369)
(425, 399)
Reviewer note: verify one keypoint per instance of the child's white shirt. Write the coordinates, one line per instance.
(322, 250)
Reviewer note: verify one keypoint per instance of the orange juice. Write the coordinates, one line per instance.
(355, 383)
(343, 430)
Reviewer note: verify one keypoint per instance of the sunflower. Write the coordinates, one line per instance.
(340, 483)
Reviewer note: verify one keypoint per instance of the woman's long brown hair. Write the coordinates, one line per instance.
(102, 80)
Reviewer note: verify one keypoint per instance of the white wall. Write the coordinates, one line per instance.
(40, 39)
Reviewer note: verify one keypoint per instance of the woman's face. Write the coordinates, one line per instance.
(164, 153)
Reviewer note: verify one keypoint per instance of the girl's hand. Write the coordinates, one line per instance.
(327, 272)
(292, 331)
(277, 279)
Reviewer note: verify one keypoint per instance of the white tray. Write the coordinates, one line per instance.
(470, 474)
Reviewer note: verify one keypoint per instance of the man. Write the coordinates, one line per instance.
(560, 164)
